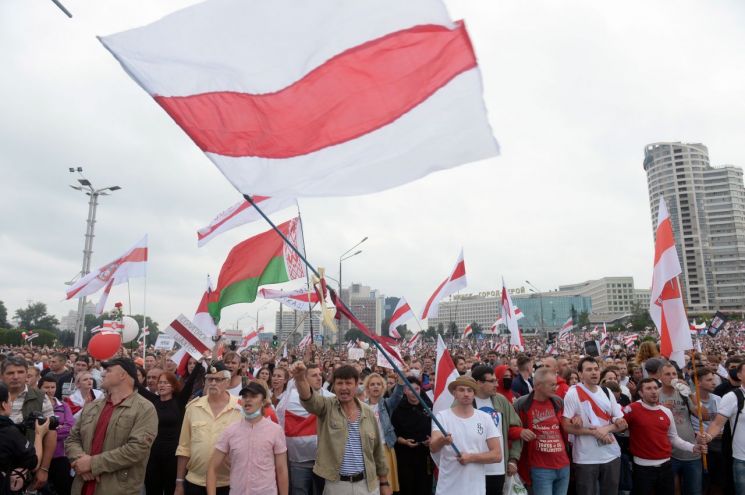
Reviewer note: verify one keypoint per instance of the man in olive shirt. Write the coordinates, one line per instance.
(350, 453)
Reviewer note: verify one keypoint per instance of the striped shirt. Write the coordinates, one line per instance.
(353, 462)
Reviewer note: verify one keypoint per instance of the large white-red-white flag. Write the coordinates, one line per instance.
(510, 319)
(400, 315)
(241, 213)
(355, 77)
(298, 299)
(445, 372)
(666, 300)
(500, 321)
(129, 265)
(452, 284)
(202, 317)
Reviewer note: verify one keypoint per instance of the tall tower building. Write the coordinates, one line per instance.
(707, 210)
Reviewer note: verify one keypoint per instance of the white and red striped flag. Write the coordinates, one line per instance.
(666, 302)
(566, 328)
(401, 315)
(131, 264)
(189, 336)
(452, 284)
(500, 321)
(304, 342)
(445, 373)
(604, 337)
(468, 331)
(241, 213)
(298, 299)
(413, 341)
(355, 77)
(104, 296)
(510, 319)
(202, 317)
(252, 338)
(630, 340)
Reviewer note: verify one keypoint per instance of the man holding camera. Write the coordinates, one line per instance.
(110, 444)
(28, 405)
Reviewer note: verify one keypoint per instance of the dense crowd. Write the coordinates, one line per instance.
(312, 421)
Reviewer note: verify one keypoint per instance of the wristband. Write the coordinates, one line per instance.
(179, 480)
(46, 470)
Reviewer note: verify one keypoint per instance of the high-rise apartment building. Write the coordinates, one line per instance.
(367, 304)
(612, 297)
(287, 321)
(707, 211)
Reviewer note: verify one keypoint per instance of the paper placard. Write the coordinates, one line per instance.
(355, 353)
(164, 343)
(382, 361)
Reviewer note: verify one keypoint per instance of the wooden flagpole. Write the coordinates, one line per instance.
(390, 360)
(698, 406)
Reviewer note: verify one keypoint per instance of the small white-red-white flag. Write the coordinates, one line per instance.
(130, 264)
(467, 331)
(445, 373)
(455, 282)
(298, 299)
(202, 317)
(500, 321)
(304, 342)
(401, 315)
(252, 338)
(413, 341)
(111, 326)
(630, 340)
(666, 301)
(241, 213)
(510, 319)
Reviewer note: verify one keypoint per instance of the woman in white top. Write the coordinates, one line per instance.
(83, 394)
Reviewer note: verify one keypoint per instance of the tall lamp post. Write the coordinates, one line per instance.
(345, 256)
(539, 292)
(87, 188)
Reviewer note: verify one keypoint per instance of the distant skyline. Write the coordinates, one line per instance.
(575, 91)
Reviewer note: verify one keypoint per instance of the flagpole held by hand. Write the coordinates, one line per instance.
(340, 302)
(698, 407)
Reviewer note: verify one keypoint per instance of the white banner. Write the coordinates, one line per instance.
(355, 353)
(164, 343)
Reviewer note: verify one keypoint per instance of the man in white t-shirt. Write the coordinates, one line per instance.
(596, 456)
(474, 434)
(728, 410)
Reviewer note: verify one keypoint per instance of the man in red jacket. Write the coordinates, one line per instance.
(652, 437)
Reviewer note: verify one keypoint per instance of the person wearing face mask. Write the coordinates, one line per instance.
(732, 382)
(260, 469)
(503, 374)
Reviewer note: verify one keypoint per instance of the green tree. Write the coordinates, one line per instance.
(441, 329)
(430, 333)
(3, 316)
(452, 331)
(477, 329)
(34, 316)
(583, 319)
(640, 318)
(13, 336)
(573, 313)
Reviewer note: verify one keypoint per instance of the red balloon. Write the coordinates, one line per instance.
(103, 346)
(23, 334)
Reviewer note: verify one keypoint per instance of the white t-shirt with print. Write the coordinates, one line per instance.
(586, 449)
(486, 406)
(469, 435)
(728, 408)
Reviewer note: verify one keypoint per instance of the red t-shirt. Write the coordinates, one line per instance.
(648, 431)
(548, 450)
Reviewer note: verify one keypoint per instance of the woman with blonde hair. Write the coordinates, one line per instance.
(83, 394)
(647, 349)
(375, 387)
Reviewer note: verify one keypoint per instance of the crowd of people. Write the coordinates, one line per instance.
(312, 421)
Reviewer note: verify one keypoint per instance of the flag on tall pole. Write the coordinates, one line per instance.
(666, 300)
(260, 260)
(510, 319)
(445, 372)
(202, 318)
(297, 299)
(355, 77)
(468, 331)
(240, 213)
(452, 284)
(401, 314)
(129, 265)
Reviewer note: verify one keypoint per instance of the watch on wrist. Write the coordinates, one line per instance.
(384, 483)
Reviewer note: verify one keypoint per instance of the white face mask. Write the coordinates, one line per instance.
(415, 372)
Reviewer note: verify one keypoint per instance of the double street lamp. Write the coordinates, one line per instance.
(345, 256)
(87, 188)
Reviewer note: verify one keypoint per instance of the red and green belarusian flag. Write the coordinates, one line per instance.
(261, 260)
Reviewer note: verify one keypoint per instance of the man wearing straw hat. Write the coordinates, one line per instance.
(476, 437)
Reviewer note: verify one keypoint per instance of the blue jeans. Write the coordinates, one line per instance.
(691, 476)
(550, 481)
(738, 471)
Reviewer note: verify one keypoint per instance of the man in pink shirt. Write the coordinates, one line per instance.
(255, 448)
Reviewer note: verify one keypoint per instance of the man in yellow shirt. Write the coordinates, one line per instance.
(205, 420)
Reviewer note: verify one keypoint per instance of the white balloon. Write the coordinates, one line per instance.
(364, 346)
(131, 329)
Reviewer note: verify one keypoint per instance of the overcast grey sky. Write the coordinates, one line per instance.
(574, 90)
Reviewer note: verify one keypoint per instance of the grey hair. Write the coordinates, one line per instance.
(542, 374)
(14, 361)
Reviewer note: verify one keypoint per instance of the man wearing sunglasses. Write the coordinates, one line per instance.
(205, 420)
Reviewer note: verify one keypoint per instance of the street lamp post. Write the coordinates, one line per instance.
(536, 290)
(87, 188)
(344, 257)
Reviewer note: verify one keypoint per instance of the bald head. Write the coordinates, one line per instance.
(549, 363)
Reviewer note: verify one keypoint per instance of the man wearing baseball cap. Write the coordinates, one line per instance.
(204, 421)
(110, 443)
(475, 435)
